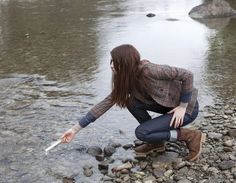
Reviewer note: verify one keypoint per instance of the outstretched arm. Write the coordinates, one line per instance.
(90, 117)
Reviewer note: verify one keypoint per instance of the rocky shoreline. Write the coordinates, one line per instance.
(217, 162)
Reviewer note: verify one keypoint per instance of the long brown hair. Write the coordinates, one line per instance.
(126, 61)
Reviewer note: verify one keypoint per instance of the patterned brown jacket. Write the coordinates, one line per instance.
(168, 86)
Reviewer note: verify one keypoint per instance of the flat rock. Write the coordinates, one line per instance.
(184, 181)
(213, 135)
(225, 165)
(94, 150)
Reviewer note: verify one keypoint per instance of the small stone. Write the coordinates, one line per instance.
(103, 166)
(184, 181)
(68, 180)
(118, 180)
(109, 150)
(225, 117)
(143, 164)
(234, 175)
(228, 143)
(126, 178)
(168, 173)
(127, 165)
(87, 167)
(115, 145)
(150, 15)
(229, 112)
(209, 115)
(227, 149)
(100, 157)
(138, 142)
(127, 146)
(213, 135)
(88, 172)
(179, 165)
(149, 179)
(94, 150)
(158, 172)
(225, 165)
(139, 175)
(232, 132)
(124, 171)
(213, 170)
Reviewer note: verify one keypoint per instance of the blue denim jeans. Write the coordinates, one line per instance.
(157, 129)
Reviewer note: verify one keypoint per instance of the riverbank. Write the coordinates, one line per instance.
(217, 162)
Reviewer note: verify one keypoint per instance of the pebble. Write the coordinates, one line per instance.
(225, 165)
(150, 15)
(184, 181)
(127, 146)
(213, 135)
(232, 132)
(88, 172)
(168, 173)
(213, 170)
(94, 150)
(109, 150)
(228, 143)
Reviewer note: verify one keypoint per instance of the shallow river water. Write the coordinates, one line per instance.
(54, 66)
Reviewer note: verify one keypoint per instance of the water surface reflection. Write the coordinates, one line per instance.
(54, 65)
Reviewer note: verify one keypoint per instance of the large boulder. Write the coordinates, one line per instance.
(213, 9)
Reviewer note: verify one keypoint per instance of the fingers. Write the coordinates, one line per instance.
(173, 110)
(177, 121)
(66, 137)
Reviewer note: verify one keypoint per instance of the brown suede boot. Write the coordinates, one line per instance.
(145, 149)
(193, 140)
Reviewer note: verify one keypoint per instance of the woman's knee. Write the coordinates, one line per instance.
(140, 133)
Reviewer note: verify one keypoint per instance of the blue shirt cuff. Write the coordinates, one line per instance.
(186, 97)
(86, 120)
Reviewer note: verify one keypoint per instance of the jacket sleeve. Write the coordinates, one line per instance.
(165, 72)
(96, 111)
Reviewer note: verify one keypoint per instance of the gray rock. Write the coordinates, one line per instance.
(94, 150)
(225, 165)
(158, 172)
(229, 112)
(213, 9)
(149, 179)
(127, 146)
(213, 135)
(115, 145)
(227, 149)
(88, 172)
(184, 181)
(109, 150)
(100, 157)
(168, 173)
(103, 166)
(150, 15)
(232, 132)
(234, 175)
(143, 164)
(228, 143)
(209, 115)
(68, 180)
(87, 167)
(179, 165)
(213, 170)
(138, 142)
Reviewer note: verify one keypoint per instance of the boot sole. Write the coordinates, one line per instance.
(203, 139)
(162, 149)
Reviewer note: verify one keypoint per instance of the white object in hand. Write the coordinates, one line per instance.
(54, 144)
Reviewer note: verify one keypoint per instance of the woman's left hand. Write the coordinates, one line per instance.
(178, 116)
